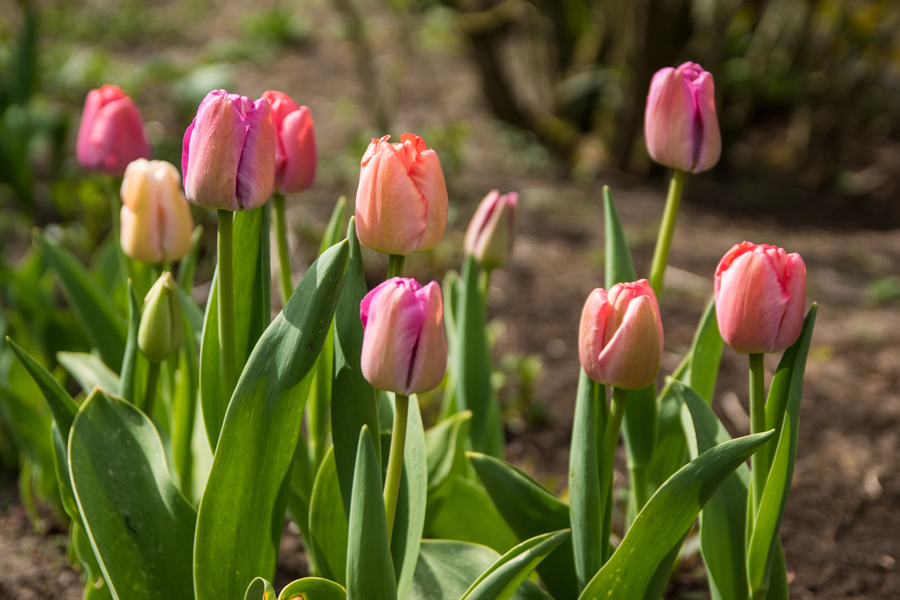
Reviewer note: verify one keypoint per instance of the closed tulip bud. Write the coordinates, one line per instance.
(295, 153)
(401, 203)
(404, 348)
(680, 124)
(620, 340)
(228, 153)
(161, 321)
(760, 297)
(489, 237)
(156, 218)
(111, 133)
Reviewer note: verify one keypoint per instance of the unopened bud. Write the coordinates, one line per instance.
(161, 322)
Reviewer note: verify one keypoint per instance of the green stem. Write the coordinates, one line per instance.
(226, 305)
(610, 442)
(484, 284)
(281, 242)
(150, 390)
(395, 266)
(395, 460)
(757, 425)
(666, 231)
(639, 488)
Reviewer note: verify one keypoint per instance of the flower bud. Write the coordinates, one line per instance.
(295, 153)
(401, 203)
(680, 123)
(111, 133)
(156, 218)
(489, 237)
(760, 297)
(228, 153)
(404, 348)
(161, 321)
(620, 340)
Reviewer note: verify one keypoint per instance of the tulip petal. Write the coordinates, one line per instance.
(631, 359)
(256, 169)
(669, 120)
(429, 362)
(479, 221)
(795, 285)
(710, 143)
(591, 332)
(428, 179)
(215, 140)
(298, 140)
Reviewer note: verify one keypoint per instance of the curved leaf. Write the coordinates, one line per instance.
(89, 371)
(129, 360)
(313, 588)
(412, 500)
(260, 589)
(212, 403)
(62, 408)
(328, 523)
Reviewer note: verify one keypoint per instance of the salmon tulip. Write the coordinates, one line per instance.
(295, 153)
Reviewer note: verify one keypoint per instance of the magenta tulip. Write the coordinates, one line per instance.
(680, 123)
(228, 154)
(404, 348)
(620, 340)
(111, 133)
(295, 154)
(489, 237)
(401, 203)
(760, 298)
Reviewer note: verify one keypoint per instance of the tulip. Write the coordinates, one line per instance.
(760, 297)
(489, 237)
(161, 321)
(295, 152)
(404, 348)
(111, 134)
(620, 340)
(401, 203)
(156, 218)
(228, 153)
(680, 123)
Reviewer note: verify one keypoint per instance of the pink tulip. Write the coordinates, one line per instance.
(228, 154)
(680, 123)
(156, 218)
(760, 297)
(404, 348)
(620, 340)
(489, 237)
(295, 154)
(111, 133)
(401, 203)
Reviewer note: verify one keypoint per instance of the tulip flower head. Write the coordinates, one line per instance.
(680, 123)
(295, 153)
(401, 203)
(760, 297)
(161, 321)
(111, 134)
(228, 154)
(489, 237)
(156, 218)
(620, 340)
(404, 348)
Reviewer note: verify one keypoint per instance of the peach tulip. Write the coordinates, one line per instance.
(111, 134)
(489, 237)
(295, 154)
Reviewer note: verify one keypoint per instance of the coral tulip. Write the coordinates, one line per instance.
(620, 340)
(111, 133)
(401, 203)
(760, 297)
(295, 154)
(489, 237)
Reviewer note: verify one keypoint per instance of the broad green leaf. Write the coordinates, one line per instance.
(412, 501)
(706, 354)
(530, 509)
(62, 407)
(184, 411)
(313, 588)
(639, 569)
(445, 449)
(300, 493)
(129, 361)
(211, 399)
(140, 526)
(252, 281)
(370, 571)
(242, 511)
(104, 327)
(502, 579)
(260, 589)
(328, 523)
(89, 371)
(619, 266)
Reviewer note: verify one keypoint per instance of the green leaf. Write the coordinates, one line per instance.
(184, 411)
(252, 281)
(370, 571)
(706, 354)
(619, 266)
(313, 588)
(242, 510)
(129, 361)
(260, 589)
(62, 408)
(530, 509)
(445, 449)
(335, 228)
(89, 371)
(212, 401)
(639, 569)
(139, 524)
(188, 264)
(328, 523)
(451, 288)
(104, 327)
(412, 500)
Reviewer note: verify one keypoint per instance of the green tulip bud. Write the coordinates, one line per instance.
(161, 321)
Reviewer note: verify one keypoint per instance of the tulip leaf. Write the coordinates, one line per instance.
(450, 288)
(334, 230)
(619, 266)
(640, 567)
(252, 281)
(104, 327)
(260, 589)
(62, 408)
(140, 526)
(184, 411)
(445, 449)
(89, 371)
(705, 354)
(370, 571)
(313, 588)
(300, 493)
(211, 399)
(242, 511)
(328, 523)
(129, 361)
(412, 499)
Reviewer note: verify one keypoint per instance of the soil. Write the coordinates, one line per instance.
(841, 529)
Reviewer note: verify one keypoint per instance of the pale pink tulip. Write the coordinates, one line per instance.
(489, 237)
(111, 133)
(295, 154)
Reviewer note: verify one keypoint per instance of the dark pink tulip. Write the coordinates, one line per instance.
(111, 133)
(228, 154)
(295, 154)
(489, 237)
(404, 348)
(760, 297)
(620, 340)
(680, 123)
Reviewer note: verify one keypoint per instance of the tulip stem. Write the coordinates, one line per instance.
(395, 460)
(395, 266)
(484, 284)
(666, 231)
(226, 305)
(757, 425)
(284, 254)
(150, 390)
(609, 444)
